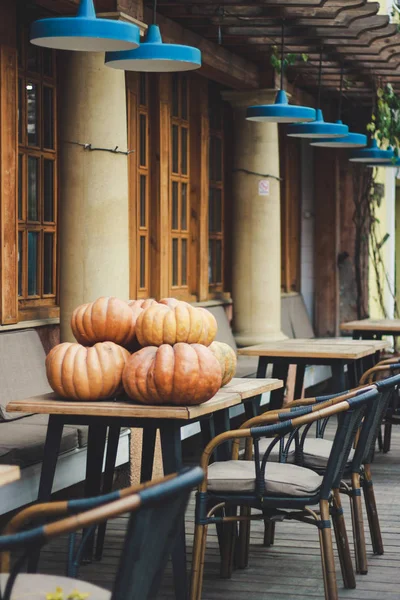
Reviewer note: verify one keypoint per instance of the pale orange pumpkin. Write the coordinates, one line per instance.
(86, 373)
(226, 357)
(171, 321)
(183, 374)
(104, 320)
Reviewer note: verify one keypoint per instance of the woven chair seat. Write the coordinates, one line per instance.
(316, 452)
(263, 445)
(36, 587)
(281, 479)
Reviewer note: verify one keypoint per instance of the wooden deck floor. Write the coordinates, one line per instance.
(290, 570)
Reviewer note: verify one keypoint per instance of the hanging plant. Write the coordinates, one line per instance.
(289, 59)
(385, 121)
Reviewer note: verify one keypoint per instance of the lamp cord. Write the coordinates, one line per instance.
(340, 93)
(155, 12)
(282, 51)
(319, 79)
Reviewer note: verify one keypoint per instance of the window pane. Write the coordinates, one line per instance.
(48, 117)
(218, 261)
(184, 206)
(184, 262)
(175, 148)
(143, 140)
(48, 191)
(20, 116)
(142, 219)
(32, 110)
(210, 261)
(174, 261)
(217, 211)
(211, 210)
(32, 61)
(33, 188)
(184, 150)
(142, 89)
(48, 257)
(20, 184)
(175, 203)
(175, 95)
(142, 274)
(33, 242)
(48, 62)
(184, 111)
(20, 261)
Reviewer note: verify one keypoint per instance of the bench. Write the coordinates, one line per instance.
(23, 374)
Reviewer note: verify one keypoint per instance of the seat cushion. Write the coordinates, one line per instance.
(81, 429)
(281, 479)
(22, 369)
(317, 451)
(22, 442)
(246, 366)
(36, 587)
(274, 455)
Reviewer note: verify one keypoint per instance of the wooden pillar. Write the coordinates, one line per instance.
(8, 163)
(327, 243)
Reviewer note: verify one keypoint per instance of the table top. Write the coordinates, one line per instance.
(230, 395)
(321, 348)
(9, 473)
(377, 325)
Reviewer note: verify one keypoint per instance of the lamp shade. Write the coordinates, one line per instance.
(373, 154)
(351, 140)
(318, 128)
(280, 112)
(85, 32)
(155, 56)
(394, 163)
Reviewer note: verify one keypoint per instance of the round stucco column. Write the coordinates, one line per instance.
(93, 223)
(256, 274)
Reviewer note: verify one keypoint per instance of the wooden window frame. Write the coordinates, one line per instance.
(41, 304)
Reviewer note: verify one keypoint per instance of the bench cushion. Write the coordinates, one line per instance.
(36, 587)
(281, 479)
(22, 442)
(81, 429)
(22, 369)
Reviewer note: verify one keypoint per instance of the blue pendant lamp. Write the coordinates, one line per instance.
(373, 155)
(351, 140)
(155, 56)
(85, 32)
(318, 128)
(281, 111)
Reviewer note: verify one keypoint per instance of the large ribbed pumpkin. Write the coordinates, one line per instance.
(226, 357)
(183, 374)
(171, 321)
(81, 373)
(104, 320)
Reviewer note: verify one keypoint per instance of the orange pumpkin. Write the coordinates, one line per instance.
(183, 374)
(171, 321)
(226, 357)
(105, 320)
(83, 373)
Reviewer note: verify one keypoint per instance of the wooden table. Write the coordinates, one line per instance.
(368, 329)
(112, 415)
(335, 352)
(9, 474)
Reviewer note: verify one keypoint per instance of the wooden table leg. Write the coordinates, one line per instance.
(94, 469)
(222, 424)
(50, 456)
(111, 457)
(148, 449)
(298, 387)
(338, 376)
(279, 371)
(171, 446)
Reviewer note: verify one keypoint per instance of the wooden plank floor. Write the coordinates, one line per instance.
(291, 569)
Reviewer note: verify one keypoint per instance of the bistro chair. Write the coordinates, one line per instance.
(392, 414)
(154, 510)
(280, 491)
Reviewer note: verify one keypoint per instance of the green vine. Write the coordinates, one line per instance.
(385, 121)
(289, 59)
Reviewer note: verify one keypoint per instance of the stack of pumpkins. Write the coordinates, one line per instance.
(158, 352)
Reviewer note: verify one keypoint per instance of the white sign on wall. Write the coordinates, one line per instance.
(263, 187)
